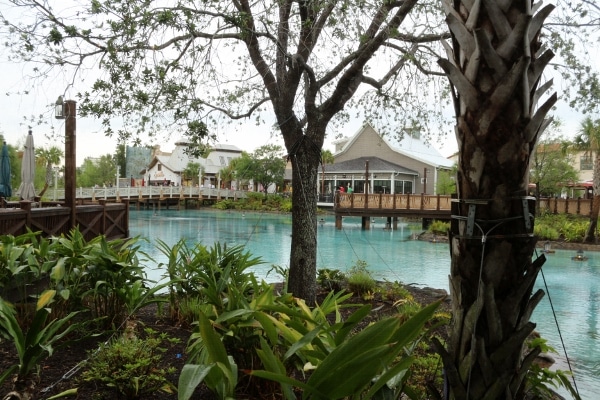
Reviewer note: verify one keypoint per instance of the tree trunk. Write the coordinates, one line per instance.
(305, 159)
(494, 79)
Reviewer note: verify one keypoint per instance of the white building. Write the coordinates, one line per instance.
(167, 168)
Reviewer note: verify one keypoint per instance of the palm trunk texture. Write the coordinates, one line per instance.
(494, 65)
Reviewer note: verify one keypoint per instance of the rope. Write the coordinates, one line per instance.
(562, 342)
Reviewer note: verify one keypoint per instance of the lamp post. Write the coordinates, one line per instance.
(67, 110)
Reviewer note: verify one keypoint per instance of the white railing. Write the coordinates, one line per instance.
(148, 192)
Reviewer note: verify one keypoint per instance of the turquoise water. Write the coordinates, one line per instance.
(574, 286)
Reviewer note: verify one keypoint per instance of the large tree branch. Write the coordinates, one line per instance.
(255, 53)
(353, 76)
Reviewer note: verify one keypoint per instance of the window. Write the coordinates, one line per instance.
(403, 187)
(159, 167)
(222, 160)
(586, 163)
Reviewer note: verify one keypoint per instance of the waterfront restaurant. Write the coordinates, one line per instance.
(409, 166)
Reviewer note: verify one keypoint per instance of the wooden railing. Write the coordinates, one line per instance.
(439, 204)
(392, 202)
(109, 219)
(145, 192)
(557, 205)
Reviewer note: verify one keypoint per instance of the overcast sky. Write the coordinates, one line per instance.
(91, 142)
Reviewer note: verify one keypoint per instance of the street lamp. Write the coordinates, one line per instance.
(59, 108)
(67, 110)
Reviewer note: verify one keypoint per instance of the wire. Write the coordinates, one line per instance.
(562, 342)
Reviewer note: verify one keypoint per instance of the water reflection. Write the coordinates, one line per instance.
(572, 285)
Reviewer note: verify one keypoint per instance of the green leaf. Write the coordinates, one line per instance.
(58, 271)
(191, 376)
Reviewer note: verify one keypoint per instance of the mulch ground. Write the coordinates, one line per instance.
(60, 372)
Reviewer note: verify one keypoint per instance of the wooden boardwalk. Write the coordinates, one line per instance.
(428, 207)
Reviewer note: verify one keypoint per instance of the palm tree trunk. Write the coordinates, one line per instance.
(494, 78)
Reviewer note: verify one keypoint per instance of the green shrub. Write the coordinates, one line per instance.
(394, 291)
(129, 365)
(359, 279)
(331, 279)
(545, 232)
(225, 204)
(571, 228)
(439, 227)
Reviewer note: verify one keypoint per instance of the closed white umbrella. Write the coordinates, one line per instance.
(26, 190)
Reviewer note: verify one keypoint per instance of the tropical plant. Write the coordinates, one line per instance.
(541, 381)
(218, 369)
(495, 65)
(100, 275)
(439, 227)
(48, 158)
(218, 275)
(236, 337)
(227, 175)
(359, 278)
(192, 173)
(129, 365)
(34, 344)
(373, 363)
(332, 279)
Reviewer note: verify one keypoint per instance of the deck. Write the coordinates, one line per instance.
(428, 207)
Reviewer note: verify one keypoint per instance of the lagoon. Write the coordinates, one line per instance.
(573, 286)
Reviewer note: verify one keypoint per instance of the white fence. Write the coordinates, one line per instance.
(147, 192)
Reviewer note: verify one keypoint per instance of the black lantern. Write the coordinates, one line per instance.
(59, 108)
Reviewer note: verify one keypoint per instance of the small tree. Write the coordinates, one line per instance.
(446, 182)
(192, 172)
(227, 175)
(266, 166)
(48, 158)
(551, 167)
(97, 171)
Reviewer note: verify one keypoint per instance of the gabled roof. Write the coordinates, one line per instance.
(408, 147)
(357, 166)
(178, 160)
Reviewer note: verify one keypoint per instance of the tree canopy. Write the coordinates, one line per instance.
(265, 166)
(97, 171)
(551, 167)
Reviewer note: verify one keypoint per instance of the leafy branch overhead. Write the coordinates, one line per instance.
(185, 60)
